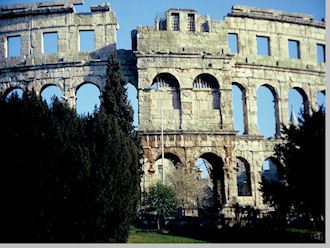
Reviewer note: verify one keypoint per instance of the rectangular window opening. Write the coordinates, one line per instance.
(162, 24)
(205, 27)
(50, 42)
(320, 53)
(294, 49)
(175, 21)
(233, 43)
(14, 46)
(86, 38)
(191, 22)
(263, 47)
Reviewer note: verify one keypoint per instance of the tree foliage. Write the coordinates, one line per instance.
(64, 177)
(301, 191)
(162, 199)
(189, 189)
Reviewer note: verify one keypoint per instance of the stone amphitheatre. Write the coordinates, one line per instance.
(184, 66)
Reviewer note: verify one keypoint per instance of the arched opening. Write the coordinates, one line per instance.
(166, 93)
(267, 111)
(297, 102)
(203, 168)
(166, 167)
(49, 92)
(321, 99)
(165, 80)
(88, 98)
(132, 97)
(239, 108)
(272, 170)
(14, 92)
(207, 81)
(169, 82)
(210, 170)
(243, 177)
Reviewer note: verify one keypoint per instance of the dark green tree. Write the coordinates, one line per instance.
(115, 152)
(301, 191)
(162, 199)
(64, 177)
(115, 96)
(43, 170)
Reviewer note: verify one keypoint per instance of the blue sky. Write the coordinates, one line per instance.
(132, 13)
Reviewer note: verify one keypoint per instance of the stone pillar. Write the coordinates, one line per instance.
(30, 86)
(230, 181)
(144, 109)
(254, 187)
(186, 109)
(251, 111)
(144, 101)
(229, 175)
(71, 100)
(313, 99)
(283, 110)
(226, 111)
(69, 93)
(257, 165)
(277, 115)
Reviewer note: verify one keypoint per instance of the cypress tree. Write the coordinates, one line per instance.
(115, 155)
(115, 96)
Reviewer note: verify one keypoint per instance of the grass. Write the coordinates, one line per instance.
(140, 236)
(299, 230)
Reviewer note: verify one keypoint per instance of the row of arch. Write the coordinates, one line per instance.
(202, 81)
(87, 96)
(268, 120)
(268, 107)
(209, 168)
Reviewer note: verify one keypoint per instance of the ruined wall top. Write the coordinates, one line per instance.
(276, 15)
(56, 7)
(185, 31)
(29, 23)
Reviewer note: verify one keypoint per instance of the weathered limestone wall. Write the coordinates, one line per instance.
(187, 54)
(197, 57)
(159, 41)
(277, 70)
(69, 68)
(196, 103)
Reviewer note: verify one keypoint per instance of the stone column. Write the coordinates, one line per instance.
(283, 110)
(230, 181)
(277, 115)
(257, 165)
(226, 111)
(144, 101)
(69, 93)
(229, 175)
(71, 100)
(186, 109)
(312, 97)
(251, 111)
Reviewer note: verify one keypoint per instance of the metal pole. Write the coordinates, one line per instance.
(162, 137)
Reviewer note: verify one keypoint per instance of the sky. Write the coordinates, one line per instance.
(132, 13)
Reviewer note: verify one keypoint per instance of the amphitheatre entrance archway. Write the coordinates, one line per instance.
(215, 181)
